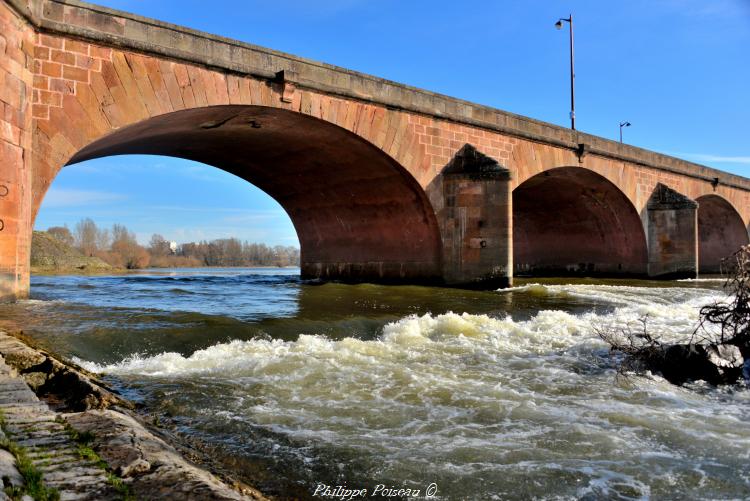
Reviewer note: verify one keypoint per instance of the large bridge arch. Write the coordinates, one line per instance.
(571, 220)
(359, 215)
(349, 174)
(117, 89)
(721, 231)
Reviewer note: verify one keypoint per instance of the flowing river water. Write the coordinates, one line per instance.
(487, 395)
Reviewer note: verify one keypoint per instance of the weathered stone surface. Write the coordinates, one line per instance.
(32, 425)
(665, 198)
(672, 229)
(156, 469)
(135, 468)
(472, 198)
(8, 471)
(46, 375)
(35, 379)
(18, 355)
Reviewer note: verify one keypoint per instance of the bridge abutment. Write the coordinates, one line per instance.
(16, 90)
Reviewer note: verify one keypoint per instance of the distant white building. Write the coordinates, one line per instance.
(173, 247)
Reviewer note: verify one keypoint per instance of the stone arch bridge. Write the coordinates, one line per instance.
(383, 182)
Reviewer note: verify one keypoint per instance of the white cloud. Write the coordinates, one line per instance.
(61, 197)
(204, 209)
(256, 216)
(703, 157)
(273, 236)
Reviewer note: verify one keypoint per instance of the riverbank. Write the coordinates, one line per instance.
(64, 431)
(51, 256)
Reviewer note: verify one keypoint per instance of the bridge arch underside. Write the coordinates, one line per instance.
(572, 221)
(359, 215)
(720, 232)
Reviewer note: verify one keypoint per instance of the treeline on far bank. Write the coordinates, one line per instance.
(119, 248)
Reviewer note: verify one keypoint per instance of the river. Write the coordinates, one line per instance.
(487, 395)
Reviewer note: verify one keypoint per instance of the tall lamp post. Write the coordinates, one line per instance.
(623, 124)
(559, 25)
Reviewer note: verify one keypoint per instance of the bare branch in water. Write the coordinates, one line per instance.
(716, 350)
(733, 317)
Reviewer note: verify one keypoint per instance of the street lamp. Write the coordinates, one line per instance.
(559, 25)
(623, 124)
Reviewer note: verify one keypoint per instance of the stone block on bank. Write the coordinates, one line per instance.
(8, 471)
(154, 469)
(75, 388)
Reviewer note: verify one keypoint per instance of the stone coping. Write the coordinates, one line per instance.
(115, 28)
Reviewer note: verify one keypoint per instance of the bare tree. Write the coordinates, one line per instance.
(733, 317)
(125, 244)
(232, 252)
(159, 246)
(85, 236)
(103, 239)
(62, 233)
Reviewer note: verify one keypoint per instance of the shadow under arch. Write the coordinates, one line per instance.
(573, 221)
(720, 232)
(359, 215)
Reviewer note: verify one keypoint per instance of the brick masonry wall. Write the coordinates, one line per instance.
(440, 140)
(59, 94)
(104, 89)
(16, 60)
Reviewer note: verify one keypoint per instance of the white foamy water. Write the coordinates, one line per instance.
(484, 406)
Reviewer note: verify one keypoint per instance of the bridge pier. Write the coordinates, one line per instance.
(474, 207)
(672, 224)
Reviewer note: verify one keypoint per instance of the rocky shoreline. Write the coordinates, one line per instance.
(112, 453)
(48, 254)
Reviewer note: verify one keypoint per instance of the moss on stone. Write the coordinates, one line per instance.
(85, 451)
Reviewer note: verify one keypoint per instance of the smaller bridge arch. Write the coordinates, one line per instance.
(573, 221)
(721, 231)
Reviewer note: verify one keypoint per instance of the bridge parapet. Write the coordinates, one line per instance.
(114, 28)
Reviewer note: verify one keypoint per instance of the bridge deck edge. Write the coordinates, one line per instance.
(145, 35)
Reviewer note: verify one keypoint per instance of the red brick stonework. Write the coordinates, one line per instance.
(382, 182)
(16, 125)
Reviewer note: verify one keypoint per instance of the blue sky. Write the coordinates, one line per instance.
(678, 70)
